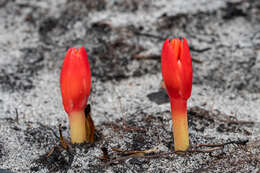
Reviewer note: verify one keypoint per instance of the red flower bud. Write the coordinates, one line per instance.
(177, 68)
(75, 83)
(75, 80)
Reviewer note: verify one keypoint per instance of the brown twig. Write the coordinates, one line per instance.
(151, 56)
(195, 60)
(62, 141)
(125, 152)
(105, 154)
(241, 122)
(216, 114)
(17, 116)
(119, 159)
(50, 152)
(199, 50)
(159, 155)
(240, 142)
(213, 147)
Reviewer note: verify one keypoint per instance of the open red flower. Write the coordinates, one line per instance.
(176, 69)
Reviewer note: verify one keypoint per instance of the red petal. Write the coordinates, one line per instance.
(176, 44)
(170, 69)
(187, 69)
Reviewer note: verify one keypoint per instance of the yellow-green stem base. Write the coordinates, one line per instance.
(180, 124)
(77, 127)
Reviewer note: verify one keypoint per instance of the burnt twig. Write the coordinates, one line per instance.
(17, 116)
(105, 154)
(62, 141)
(240, 142)
(212, 148)
(125, 152)
(152, 56)
(154, 156)
(199, 50)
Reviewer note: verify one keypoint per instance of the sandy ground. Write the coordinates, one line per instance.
(123, 40)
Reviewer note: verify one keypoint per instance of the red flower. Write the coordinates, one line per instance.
(177, 68)
(75, 83)
(75, 80)
(177, 75)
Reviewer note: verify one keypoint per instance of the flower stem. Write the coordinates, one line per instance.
(77, 126)
(180, 124)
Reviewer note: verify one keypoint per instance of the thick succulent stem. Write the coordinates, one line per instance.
(77, 127)
(180, 124)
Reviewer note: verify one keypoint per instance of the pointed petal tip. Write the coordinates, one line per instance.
(167, 41)
(184, 41)
(82, 52)
(82, 48)
(68, 52)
